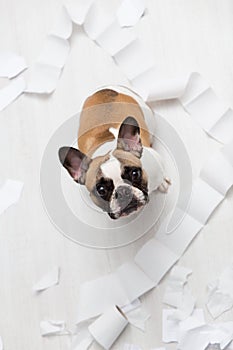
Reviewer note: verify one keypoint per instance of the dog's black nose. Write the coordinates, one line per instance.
(123, 194)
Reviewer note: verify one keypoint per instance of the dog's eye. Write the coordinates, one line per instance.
(136, 174)
(101, 189)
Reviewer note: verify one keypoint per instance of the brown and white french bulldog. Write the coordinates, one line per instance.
(116, 180)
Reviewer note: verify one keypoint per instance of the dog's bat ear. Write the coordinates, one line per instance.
(129, 137)
(76, 163)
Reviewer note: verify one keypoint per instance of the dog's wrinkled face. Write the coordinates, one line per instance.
(116, 181)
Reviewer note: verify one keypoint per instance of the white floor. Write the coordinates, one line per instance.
(184, 36)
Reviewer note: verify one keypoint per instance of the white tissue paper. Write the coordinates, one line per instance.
(113, 39)
(82, 340)
(134, 59)
(220, 297)
(130, 12)
(51, 327)
(10, 194)
(11, 64)
(107, 328)
(50, 279)
(172, 328)
(203, 201)
(113, 289)
(63, 27)
(200, 337)
(175, 286)
(155, 259)
(78, 10)
(138, 318)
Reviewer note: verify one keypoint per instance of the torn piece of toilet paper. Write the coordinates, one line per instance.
(1, 343)
(131, 306)
(130, 12)
(113, 289)
(63, 27)
(78, 10)
(185, 306)
(201, 210)
(107, 328)
(43, 76)
(138, 318)
(52, 327)
(10, 193)
(96, 21)
(155, 259)
(82, 340)
(50, 279)
(175, 286)
(172, 328)
(209, 334)
(42, 79)
(113, 39)
(178, 295)
(220, 296)
(154, 87)
(134, 59)
(195, 94)
(218, 172)
(179, 238)
(11, 64)
(11, 91)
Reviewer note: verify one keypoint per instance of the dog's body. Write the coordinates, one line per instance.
(116, 180)
(103, 110)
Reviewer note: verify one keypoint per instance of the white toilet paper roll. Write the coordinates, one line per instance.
(107, 328)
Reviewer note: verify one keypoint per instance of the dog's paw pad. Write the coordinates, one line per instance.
(165, 185)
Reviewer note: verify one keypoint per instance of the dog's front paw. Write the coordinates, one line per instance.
(164, 185)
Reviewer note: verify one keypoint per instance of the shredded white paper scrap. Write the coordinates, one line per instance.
(172, 328)
(82, 340)
(114, 38)
(52, 327)
(11, 64)
(42, 79)
(113, 289)
(63, 27)
(50, 279)
(200, 337)
(130, 11)
(107, 328)
(78, 10)
(11, 91)
(10, 194)
(178, 295)
(175, 286)
(220, 298)
(155, 259)
(138, 318)
(218, 172)
(134, 59)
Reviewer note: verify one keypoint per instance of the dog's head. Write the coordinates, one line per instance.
(116, 181)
